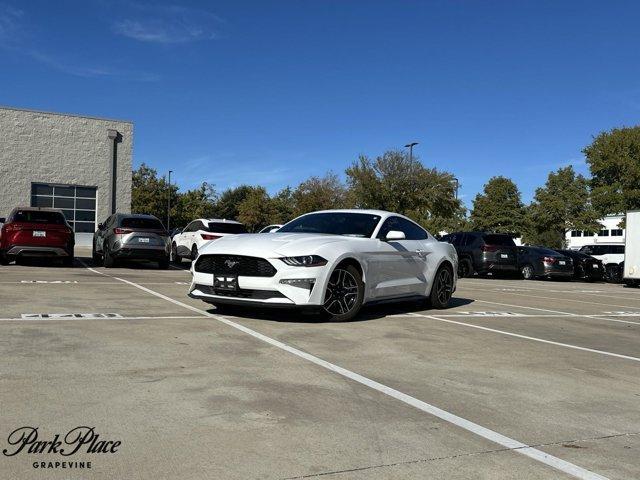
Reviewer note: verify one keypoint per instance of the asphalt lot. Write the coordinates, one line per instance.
(526, 380)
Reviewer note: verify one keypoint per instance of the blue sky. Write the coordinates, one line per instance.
(271, 92)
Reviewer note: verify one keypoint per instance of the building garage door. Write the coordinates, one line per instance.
(77, 203)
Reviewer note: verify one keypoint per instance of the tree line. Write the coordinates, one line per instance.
(398, 183)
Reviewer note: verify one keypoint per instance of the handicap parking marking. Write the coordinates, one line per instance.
(68, 316)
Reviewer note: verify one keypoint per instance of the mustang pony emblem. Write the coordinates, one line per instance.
(231, 263)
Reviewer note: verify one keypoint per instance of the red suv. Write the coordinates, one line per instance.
(36, 232)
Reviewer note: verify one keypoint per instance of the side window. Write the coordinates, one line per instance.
(199, 226)
(410, 229)
(189, 228)
(389, 224)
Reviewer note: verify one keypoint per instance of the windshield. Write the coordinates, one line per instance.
(34, 216)
(334, 223)
(220, 227)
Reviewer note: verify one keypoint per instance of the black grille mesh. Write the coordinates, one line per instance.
(235, 265)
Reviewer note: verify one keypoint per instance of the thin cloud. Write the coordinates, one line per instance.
(168, 25)
(9, 22)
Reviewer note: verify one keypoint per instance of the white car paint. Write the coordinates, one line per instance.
(390, 268)
(198, 233)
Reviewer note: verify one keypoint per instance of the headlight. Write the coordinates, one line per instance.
(305, 261)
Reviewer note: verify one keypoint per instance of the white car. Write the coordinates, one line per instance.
(198, 233)
(334, 261)
(270, 228)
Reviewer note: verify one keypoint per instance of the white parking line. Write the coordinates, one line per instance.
(526, 337)
(589, 292)
(495, 437)
(560, 299)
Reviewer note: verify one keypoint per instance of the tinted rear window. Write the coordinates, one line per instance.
(502, 240)
(220, 227)
(33, 216)
(146, 223)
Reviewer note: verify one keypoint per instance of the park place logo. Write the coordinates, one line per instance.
(77, 441)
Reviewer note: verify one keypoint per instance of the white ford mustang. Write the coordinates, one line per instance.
(334, 261)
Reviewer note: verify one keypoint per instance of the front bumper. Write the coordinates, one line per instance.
(267, 291)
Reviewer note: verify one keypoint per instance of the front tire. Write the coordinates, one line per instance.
(175, 258)
(95, 256)
(194, 252)
(344, 294)
(442, 288)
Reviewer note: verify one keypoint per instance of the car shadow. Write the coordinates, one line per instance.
(368, 312)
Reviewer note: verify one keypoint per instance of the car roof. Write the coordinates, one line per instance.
(37, 209)
(221, 220)
(136, 215)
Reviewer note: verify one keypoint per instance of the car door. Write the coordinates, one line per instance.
(398, 268)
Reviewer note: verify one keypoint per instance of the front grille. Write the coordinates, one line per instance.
(234, 265)
(240, 293)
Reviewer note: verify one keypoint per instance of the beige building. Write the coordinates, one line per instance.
(79, 164)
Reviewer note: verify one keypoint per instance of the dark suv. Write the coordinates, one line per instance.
(484, 252)
(36, 232)
(128, 236)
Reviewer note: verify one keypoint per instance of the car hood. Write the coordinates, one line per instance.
(270, 244)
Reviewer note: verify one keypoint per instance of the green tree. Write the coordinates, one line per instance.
(499, 208)
(399, 184)
(319, 193)
(229, 202)
(283, 206)
(149, 194)
(614, 160)
(257, 209)
(563, 204)
(196, 203)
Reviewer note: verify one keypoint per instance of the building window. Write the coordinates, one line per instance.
(576, 233)
(587, 234)
(603, 233)
(617, 232)
(77, 203)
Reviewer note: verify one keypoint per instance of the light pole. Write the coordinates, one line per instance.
(169, 204)
(457, 186)
(410, 147)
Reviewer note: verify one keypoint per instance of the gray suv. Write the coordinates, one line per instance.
(128, 236)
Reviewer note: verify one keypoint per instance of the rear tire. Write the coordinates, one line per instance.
(442, 288)
(3, 259)
(109, 261)
(465, 268)
(344, 294)
(527, 271)
(613, 273)
(67, 261)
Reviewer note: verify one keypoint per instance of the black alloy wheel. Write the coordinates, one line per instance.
(344, 294)
(442, 289)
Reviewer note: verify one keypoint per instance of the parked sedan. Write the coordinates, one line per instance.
(334, 261)
(539, 262)
(128, 236)
(585, 267)
(36, 232)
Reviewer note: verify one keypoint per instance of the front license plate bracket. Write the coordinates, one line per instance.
(226, 283)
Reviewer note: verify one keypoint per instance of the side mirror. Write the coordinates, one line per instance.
(3, 220)
(395, 235)
(101, 226)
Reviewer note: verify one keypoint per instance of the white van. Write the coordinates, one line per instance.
(612, 257)
(631, 273)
